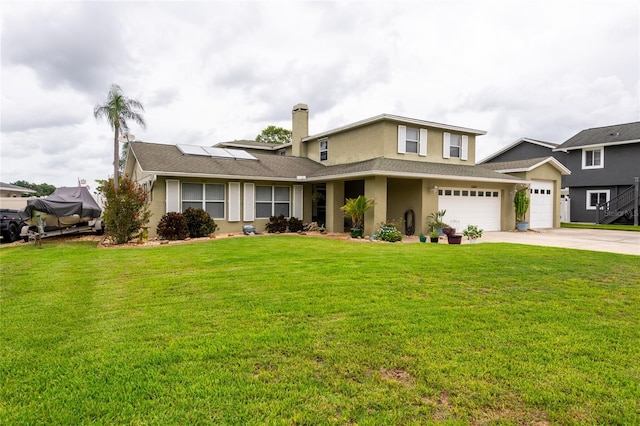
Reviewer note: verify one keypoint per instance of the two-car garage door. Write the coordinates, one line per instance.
(465, 207)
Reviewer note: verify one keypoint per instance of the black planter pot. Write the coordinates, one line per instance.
(356, 233)
(434, 239)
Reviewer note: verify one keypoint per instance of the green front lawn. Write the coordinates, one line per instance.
(300, 330)
(612, 227)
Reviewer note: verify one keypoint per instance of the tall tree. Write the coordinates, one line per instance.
(274, 134)
(117, 110)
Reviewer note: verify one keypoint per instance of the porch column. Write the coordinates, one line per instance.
(335, 200)
(376, 188)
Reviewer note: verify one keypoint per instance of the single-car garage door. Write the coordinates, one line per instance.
(541, 208)
(465, 207)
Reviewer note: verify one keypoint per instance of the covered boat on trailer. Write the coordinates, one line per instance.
(67, 210)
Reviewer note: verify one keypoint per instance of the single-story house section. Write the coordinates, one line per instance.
(410, 167)
(544, 187)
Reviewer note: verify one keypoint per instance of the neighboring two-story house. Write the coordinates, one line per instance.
(410, 167)
(604, 162)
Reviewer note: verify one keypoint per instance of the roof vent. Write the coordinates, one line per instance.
(614, 134)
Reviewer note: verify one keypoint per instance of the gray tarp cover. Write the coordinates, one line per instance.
(64, 202)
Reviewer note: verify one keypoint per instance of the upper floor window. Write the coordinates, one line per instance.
(209, 197)
(272, 201)
(593, 158)
(412, 141)
(324, 149)
(455, 146)
(595, 197)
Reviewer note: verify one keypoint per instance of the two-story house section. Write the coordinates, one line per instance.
(604, 162)
(410, 167)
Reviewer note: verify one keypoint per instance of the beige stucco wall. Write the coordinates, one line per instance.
(380, 139)
(13, 203)
(547, 173)
(350, 146)
(158, 204)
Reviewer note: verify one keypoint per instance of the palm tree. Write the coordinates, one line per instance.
(355, 208)
(117, 110)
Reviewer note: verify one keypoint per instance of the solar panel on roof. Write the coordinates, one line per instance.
(192, 149)
(217, 152)
(206, 151)
(241, 154)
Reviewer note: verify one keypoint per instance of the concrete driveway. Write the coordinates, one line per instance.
(624, 242)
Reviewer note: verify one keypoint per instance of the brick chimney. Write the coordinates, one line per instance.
(299, 129)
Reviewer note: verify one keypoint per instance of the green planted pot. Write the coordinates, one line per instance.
(356, 232)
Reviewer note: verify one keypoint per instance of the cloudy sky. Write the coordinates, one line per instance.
(214, 71)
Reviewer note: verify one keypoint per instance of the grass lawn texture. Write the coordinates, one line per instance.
(302, 330)
(611, 227)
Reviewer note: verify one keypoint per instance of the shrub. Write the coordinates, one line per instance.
(125, 210)
(277, 224)
(173, 226)
(199, 223)
(389, 233)
(295, 225)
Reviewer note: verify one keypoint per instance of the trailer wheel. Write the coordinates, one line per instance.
(12, 233)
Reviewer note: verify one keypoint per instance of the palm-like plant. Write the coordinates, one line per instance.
(355, 208)
(117, 109)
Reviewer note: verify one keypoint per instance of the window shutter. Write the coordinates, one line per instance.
(234, 201)
(423, 143)
(446, 145)
(298, 200)
(172, 200)
(402, 139)
(249, 202)
(464, 149)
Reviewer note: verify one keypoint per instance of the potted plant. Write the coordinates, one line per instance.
(423, 238)
(355, 208)
(472, 232)
(435, 236)
(452, 237)
(521, 204)
(434, 221)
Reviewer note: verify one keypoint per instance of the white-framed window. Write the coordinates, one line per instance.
(324, 149)
(455, 146)
(412, 141)
(272, 201)
(597, 196)
(208, 196)
(593, 158)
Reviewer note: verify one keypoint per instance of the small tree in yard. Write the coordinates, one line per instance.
(126, 210)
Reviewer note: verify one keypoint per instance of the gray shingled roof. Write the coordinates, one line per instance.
(510, 165)
(253, 144)
(608, 135)
(168, 160)
(389, 166)
(16, 188)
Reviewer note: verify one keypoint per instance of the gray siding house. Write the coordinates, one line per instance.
(605, 165)
(523, 149)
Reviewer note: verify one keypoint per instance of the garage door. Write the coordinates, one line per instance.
(465, 207)
(541, 208)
